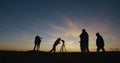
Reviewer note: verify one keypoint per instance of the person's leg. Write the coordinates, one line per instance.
(98, 48)
(51, 50)
(87, 48)
(81, 49)
(84, 47)
(54, 48)
(34, 46)
(103, 49)
(38, 46)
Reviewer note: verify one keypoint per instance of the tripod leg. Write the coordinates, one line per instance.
(65, 49)
(61, 49)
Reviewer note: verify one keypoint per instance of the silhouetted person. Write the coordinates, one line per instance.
(99, 42)
(63, 49)
(37, 43)
(55, 44)
(84, 37)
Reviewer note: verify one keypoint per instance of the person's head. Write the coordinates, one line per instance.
(97, 34)
(83, 30)
(37, 36)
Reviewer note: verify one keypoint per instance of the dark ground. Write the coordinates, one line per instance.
(44, 57)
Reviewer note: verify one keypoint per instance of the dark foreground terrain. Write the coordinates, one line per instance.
(44, 57)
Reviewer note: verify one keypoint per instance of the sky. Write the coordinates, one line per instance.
(22, 20)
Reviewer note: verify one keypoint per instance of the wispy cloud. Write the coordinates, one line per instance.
(70, 33)
(72, 29)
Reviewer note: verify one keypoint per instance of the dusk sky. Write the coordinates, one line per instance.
(22, 20)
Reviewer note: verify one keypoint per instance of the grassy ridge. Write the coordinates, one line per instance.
(69, 57)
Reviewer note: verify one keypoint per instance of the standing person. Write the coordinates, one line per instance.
(37, 43)
(84, 37)
(55, 44)
(100, 42)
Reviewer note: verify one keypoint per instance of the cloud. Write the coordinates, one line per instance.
(70, 29)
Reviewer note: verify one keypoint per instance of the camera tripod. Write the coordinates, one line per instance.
(63, 49)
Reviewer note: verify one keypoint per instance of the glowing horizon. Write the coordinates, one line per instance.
(70, 34)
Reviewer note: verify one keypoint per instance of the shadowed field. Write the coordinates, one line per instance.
(45, 57)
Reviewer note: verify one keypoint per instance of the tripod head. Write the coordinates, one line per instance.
(63, 41)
